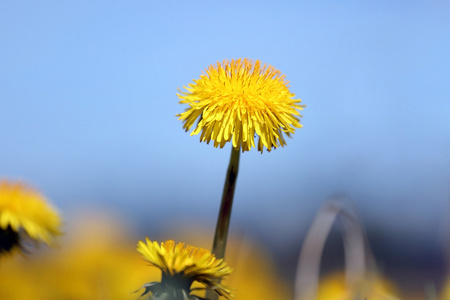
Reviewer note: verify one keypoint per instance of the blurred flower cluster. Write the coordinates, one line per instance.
(97, 259)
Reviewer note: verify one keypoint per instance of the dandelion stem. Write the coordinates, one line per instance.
(223, 221)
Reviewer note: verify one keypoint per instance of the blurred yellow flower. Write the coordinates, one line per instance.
(334, 286)
(446, 289)
(256, 275)
(96, 260)
(22, 208)
(236, 100)
(182, 265)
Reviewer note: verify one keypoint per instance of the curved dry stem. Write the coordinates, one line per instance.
(308, 268)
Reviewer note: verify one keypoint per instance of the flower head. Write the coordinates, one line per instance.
(182, 265)
(234, 101)
(22, 208)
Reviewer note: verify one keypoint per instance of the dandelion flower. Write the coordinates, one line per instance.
(23, 209)
(235, 101)
(181, 266)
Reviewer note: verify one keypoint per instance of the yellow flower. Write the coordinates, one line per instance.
(182, 265)
(234, 101)
(22, 208)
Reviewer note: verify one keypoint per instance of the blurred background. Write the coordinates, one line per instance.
(88, 104)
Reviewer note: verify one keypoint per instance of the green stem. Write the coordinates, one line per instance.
(223, 220)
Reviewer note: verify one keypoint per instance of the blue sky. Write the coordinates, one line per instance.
(88, 103)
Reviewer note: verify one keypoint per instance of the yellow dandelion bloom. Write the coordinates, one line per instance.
(234, 101)
(22, 208)
(182, 265)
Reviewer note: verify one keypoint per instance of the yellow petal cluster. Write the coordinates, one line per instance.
(235, 101)
(23, 208)
(190, 262)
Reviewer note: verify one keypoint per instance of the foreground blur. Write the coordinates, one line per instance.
(97, 260)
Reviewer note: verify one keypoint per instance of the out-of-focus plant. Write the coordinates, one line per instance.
(334, 286)
(360, 280)
(25, 214)
(445, 295)
(255, 276)
(97, 261)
